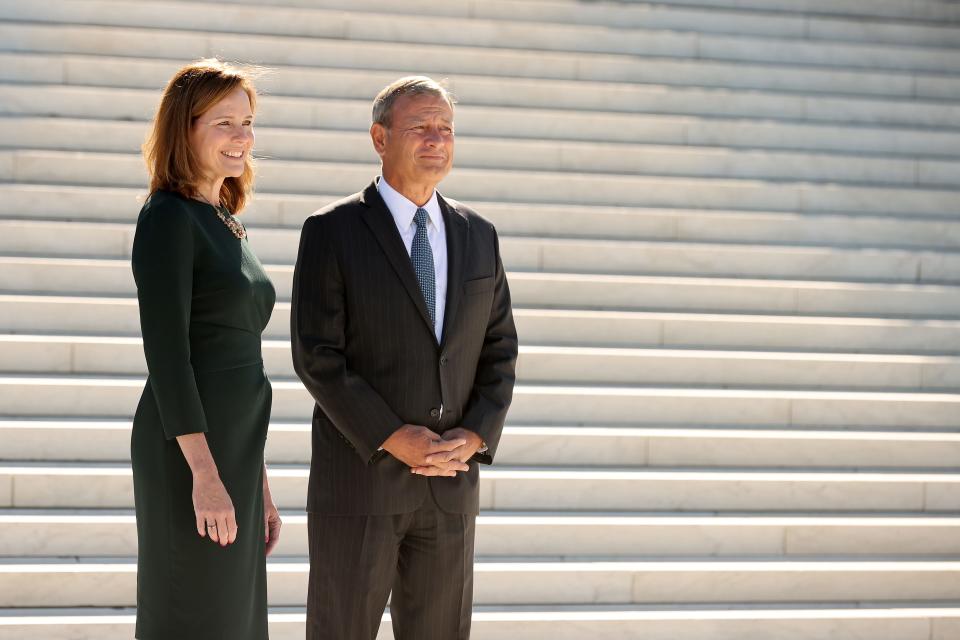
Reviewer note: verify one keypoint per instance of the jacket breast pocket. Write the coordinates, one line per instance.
(478, 285)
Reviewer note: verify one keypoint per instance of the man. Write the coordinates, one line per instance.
(403, 333)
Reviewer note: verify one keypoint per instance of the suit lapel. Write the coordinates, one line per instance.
(381, 223)
(457, 232)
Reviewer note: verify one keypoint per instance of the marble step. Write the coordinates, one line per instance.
(852, 22)
(825, 621)
(501, 33)
(934, 10)
(113, 136)
(116, 397)
(137, 105)
(445, 59)
(785, 18)
(110, 485)
(65, 354)
(81, 276)
(100, 582)
(67, 239)
(88, 532)
(96, 439)
(908, 10)
(116, 316)
(45, 202)
(544, 187)
(503, 91)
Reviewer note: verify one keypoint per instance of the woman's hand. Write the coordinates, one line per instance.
(211, 502)
(271, 516)
(214, 509)
(271, 525)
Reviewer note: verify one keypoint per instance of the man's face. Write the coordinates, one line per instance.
(418, 146)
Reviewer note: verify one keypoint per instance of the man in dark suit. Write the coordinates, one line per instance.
(402, 331)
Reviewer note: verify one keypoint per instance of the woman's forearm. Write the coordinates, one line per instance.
(266, 485)
(197, 452)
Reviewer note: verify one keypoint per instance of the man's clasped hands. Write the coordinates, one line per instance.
(432, 454)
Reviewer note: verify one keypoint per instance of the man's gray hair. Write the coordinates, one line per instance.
(407, 86)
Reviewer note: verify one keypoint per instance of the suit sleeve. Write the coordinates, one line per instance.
(317, 325)
(492, 392)
(162, 260)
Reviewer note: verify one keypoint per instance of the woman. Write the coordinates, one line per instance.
(205, 518)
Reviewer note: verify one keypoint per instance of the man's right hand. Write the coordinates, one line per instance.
(411, 444)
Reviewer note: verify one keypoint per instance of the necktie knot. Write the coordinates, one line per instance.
(420, 217)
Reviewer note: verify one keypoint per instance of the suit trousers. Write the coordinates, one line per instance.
(425, 558)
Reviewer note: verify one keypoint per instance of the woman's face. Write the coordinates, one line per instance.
(222, 137)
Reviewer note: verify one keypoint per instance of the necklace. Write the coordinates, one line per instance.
(236, 228)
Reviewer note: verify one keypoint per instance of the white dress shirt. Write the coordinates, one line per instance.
(403, 211)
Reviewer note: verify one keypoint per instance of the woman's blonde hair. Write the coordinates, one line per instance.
(192, 91)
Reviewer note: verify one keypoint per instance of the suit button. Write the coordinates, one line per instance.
(443, 360)
(434, 413)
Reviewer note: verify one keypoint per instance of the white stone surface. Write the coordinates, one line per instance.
(274, 50)
(549, 364)
(109, 485)
(574, 622)
(50, 583)
(511, 153)
(122, 72)
(563, 255)
(331, 113)
(473, 32)
(118, 316)
(731, 231)
(111, 532)
(601, 446)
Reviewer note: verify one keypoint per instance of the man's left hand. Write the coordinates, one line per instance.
(437, 461)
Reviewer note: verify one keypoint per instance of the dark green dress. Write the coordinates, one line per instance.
(204, 301)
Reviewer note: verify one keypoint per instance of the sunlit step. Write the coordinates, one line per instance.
(46, 203)
(572, 255)
(110, 485)
(824, 621)
(445, 59)
(830, 19)
(561, 187)
(503, 31)
(89, 439)
(116, 136)
(312, 115)
(112, 71)
(117, 396)
(31, 532)
(563, 290)
(119, 316)
(64, 354)
(101, 582)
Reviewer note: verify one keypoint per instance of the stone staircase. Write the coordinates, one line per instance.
(733, 235)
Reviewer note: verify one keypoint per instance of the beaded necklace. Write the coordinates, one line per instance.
(235, 226)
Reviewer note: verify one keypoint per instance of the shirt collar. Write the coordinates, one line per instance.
(404, 210)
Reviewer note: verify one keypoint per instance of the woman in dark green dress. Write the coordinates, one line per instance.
(205, 518)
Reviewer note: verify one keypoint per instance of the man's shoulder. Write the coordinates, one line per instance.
(341, 207)
(339, 211)
(469, 214)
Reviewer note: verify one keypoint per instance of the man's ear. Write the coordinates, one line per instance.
(378, 134)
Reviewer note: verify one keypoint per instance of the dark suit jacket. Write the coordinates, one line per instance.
(364, 347)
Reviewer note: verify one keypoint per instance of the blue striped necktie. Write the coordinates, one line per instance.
(422, 257)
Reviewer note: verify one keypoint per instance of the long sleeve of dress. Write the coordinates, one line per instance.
(163, 260)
